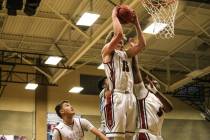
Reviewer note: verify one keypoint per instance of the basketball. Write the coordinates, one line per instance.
(125, 14)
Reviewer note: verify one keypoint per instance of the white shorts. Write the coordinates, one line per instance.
(147, 136)
(120, 115)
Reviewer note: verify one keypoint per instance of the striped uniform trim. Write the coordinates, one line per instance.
(112, 73)
(81, 128)
(109, 113)
(115, 133)
(109, 109)
(129, 132)
(143, 136)
(142, 114)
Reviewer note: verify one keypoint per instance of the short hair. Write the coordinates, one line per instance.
(109, 37)
(59, 106)
(101, 83)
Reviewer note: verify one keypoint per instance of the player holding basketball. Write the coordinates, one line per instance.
(120, 108)
(151, 106)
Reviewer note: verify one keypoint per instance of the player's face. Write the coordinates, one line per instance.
(120, 45)
(67, 109)
(122, 42)
(105, 83)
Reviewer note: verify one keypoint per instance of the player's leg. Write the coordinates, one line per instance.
(116, 117)
(131, 120)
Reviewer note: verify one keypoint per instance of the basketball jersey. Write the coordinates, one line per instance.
(73, 132)
(150, 113)
(101, 100)
(119, 72)
(101, 107)
(120, 106)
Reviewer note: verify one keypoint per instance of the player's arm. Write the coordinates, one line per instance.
(141, 43)
(136, 72)
(98, 133)
(118, 35)
(167, 104)
(88, 126)
(140, 90)
(56, 135)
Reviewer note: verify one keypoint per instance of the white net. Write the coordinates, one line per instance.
(163, 13)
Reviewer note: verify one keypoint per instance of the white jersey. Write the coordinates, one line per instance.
(101, 100)
(73, 132)
(150, 113)
(120, 107)
(101, 107)
(119, 72)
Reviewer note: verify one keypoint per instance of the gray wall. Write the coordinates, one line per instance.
(16, 123)
(186, 130)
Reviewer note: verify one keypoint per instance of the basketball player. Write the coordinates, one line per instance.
(120, 106)
(151, 104)
(72, 128)
(104, 92)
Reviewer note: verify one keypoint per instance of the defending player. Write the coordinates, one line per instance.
(104, 92)
(151, 104)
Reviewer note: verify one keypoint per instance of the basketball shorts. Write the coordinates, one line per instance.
(120, 115)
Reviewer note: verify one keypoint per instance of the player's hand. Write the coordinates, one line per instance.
(115, 10)
(147, 78)
(131, 42)
(135, 19)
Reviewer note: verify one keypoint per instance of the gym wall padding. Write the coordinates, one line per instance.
(17, 123)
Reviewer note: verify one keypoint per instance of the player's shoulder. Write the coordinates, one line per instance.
(105, 50)
(60, 125)
(105, 46)
(82, 119)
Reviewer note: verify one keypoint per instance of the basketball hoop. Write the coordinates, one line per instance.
(162, 12)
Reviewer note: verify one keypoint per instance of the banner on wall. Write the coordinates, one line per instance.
(12, 137)
(52, 121)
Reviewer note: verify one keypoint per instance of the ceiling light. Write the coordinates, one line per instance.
(31, 86)
(155, 28)
(76, 89)
(101, 67)
(87, 19)
(53, 60)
